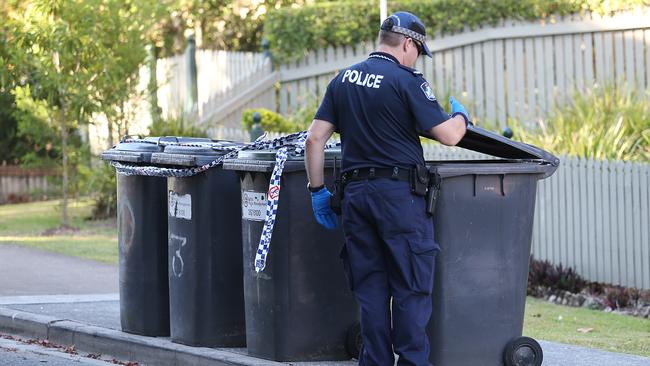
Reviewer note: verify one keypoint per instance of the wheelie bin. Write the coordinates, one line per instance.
(205, 248)
(299, 308)
(483, 223)
(141, 228)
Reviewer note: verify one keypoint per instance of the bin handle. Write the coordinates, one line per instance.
(166, 138)
(130, 137)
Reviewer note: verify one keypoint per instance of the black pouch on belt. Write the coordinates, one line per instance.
(419, 180)
(433, 193)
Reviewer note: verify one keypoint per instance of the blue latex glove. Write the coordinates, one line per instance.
(457, 108)
(320, 203)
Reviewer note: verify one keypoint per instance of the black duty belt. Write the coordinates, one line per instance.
(374, 173)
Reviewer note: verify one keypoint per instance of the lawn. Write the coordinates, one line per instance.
(610, 332)
(24, 224)
(27, 223)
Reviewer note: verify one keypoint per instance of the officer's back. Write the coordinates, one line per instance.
(371, 109)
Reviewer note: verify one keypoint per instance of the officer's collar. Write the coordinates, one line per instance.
(384, 56)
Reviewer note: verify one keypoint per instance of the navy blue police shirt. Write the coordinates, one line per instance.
(379, 107)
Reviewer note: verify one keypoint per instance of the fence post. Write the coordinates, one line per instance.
(191, 108)
(256, 130)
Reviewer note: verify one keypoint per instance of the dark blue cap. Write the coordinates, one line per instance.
(409, 25)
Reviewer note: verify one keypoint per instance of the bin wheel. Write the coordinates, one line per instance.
(523, 351)
(353, 341)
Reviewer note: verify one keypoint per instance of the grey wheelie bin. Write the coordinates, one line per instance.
(205, 251)
(299, 308)
(483, 223)
(142, 227)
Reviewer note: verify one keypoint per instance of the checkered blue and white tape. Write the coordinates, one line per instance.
(296, 139)
(272, 203)
(294, 142)
(273, 200)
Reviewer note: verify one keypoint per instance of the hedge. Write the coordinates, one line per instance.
(293, 31)
(271, 121)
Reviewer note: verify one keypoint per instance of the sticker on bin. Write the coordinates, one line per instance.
(253, 206)
(180, 206)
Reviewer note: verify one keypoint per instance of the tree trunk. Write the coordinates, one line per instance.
(64, 153)
(110, 132)
(125, 120)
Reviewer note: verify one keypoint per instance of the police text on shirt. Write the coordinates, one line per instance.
(358, 78)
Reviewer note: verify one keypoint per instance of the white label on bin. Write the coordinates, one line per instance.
(180, 205)
(253, 206)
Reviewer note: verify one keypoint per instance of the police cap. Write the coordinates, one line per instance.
(409, 25)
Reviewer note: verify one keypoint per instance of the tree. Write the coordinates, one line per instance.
(127, 28)
(80, 57)
(10, 144)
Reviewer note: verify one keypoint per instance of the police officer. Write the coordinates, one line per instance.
(380, 107)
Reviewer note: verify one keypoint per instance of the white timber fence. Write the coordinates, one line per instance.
(255, 90)
(593, 215)
(217, 73)
(518, 70)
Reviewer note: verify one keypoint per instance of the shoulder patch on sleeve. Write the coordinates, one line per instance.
(426, 89)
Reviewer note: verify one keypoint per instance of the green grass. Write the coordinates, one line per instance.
(24, 224)
(611, 332)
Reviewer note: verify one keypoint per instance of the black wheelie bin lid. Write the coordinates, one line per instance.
(134, 150)
(193, 154)
(517, 157)
(264, 160)
(140, 150)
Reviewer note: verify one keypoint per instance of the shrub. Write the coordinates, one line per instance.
(303, 116)
(617, 297)
(300, 120)
(606, 122)
(544, 276)
(176, 126)
(294, 30)
(595, 288)
(101, 184)
(556, 277)
(271, 121)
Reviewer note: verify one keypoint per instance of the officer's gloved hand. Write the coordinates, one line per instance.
(457, 108)
(320, 203)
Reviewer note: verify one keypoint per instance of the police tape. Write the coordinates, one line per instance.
(294, 141)
(273, 202)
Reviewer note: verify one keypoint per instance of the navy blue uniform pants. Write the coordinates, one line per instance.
(389, 257)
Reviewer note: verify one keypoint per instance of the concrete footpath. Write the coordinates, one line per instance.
(91, 321)
(26, 271)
